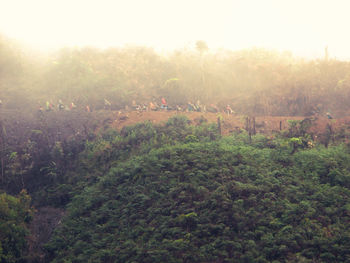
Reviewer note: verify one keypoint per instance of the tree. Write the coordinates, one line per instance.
(201, 46)
(15, 213)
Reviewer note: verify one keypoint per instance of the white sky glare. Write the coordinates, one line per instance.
(303, 27)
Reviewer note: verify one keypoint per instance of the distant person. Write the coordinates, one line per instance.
(229, 109)
(41, 110)
(190, 106)
(134, 105)
(0, 103)
(138, 107)
(164, 101)
(156, 105)
(141, 107)
(87, 108)
(107, 104)
(72, 106)
(329, 116)
(153, 106)
(198, 106)
(48, 106)
(60, 105)
(164, 104)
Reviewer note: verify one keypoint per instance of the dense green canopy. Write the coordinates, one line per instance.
(210, 201)
(15, 212)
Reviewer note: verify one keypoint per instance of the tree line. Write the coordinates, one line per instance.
(253, 81)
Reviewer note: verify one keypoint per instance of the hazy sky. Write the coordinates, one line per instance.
(304, 27)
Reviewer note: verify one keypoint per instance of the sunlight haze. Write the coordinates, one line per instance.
(302, 27)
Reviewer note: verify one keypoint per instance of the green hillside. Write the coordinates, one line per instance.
(99, 163)
(177, 193)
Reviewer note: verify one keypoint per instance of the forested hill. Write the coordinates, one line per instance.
(81, 185)
(178, 193)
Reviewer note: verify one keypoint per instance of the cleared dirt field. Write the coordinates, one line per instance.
(68, 123)
(230, 123)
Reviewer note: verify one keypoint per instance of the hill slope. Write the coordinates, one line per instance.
(213, 201)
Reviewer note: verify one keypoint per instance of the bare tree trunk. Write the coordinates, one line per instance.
(219, 126)
(22, 181)
(328, 135)
(254, 130)
(2, 143)
(250, 130)
(2, 167)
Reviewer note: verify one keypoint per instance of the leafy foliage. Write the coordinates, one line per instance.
(15, 213)
(182, 197)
